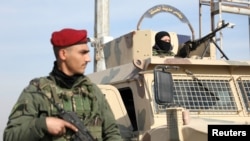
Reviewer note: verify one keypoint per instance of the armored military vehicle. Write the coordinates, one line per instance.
(172, 97)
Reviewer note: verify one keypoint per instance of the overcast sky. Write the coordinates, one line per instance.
(26, 27)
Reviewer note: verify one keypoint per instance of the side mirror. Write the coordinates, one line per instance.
(163, 85)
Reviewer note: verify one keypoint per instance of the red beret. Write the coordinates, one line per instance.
(67, 37)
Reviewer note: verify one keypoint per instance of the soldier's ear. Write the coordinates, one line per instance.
(62, 54)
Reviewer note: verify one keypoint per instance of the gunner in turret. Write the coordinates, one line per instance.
(162, 45)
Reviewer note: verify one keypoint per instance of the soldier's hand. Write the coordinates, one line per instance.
(57, 126)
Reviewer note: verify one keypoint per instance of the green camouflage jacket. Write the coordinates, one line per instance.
(27, 119)
(162, 53)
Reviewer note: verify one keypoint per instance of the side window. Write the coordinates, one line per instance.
(127, 98)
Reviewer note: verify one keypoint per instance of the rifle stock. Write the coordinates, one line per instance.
(192, 45)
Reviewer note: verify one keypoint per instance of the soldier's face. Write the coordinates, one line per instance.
(76, 59)
(166, 39)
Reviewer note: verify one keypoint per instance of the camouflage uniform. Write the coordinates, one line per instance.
(162, 53)
(27, 118)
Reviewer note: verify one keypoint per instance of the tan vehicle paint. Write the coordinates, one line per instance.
(128, 83)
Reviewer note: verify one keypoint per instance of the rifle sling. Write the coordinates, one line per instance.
(57, 103)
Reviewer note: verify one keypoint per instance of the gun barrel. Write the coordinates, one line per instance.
(192, 45)
(208, 36)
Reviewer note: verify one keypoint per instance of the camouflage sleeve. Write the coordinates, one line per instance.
(110, 130)
(24, 123)
(154, 52)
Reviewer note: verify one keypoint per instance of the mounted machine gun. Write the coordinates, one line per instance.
(193, 45)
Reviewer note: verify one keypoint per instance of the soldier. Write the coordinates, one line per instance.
(162, 45)
(34, 117)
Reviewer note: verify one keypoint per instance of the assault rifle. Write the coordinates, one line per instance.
(192, 45)
(82, 134)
